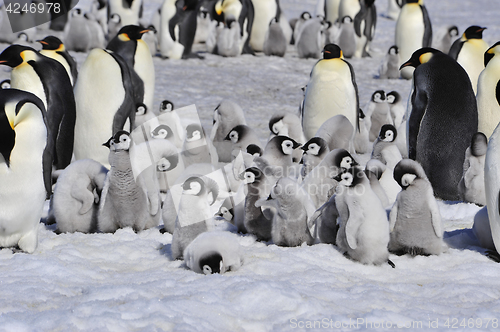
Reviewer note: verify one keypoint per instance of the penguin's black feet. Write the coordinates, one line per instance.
(391, 263)
(163, 230)
(493, 255)
(193, 56)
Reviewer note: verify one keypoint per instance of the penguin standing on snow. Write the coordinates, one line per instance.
(288, 124)
(314, 151)
(347, 37)
(52, 47)
(170, 47)
(390, 66)
(469, 52)
(255, 221)
(241, 137)
(379, 112)
(488, 96)
(446, 37)
(413, 31)
(338, 132)
(185, 19)
(47, 79)
(311, 38)
(275, 42)
(23, 139)
(471, 186)
(130, 11)
(415, 220)
(213, 252)
(365, 22)
(130, 46)
(440, 152)
(228, 38)
(331, 90)
(363, 234)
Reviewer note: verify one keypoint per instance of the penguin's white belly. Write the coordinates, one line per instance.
(332, 10)
(264, 10)
(25, 78)
(144, 67)
(492, 185)
(329, 93)
(349, 8)
(99, 93)
(471, 58)
(409, 35)
(487, 105)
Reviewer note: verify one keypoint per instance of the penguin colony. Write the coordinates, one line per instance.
(125, 162)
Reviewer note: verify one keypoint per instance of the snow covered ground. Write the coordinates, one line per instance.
(128, 281)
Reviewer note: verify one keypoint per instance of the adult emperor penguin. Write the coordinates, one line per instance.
(129, 45)
(331, 90)
(104, 103)
(213, 252)
(47, 79)
(53, 47)
(413, 31)
(264, 12)
(130, 11)
(23, 138)
(169, 47)
(415, 221)
(363, 234)
(469, 52)
(365, 22)
(349, 8)
(257, 187)
(440, 152)
(488, 95)
(75, 203)
(471, 186)
(185, 21)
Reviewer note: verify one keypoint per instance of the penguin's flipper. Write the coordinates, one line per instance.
(393, 215)
(455, 48)
(435, 215)
(419, 106)
(356, 218)
(83, 196)
(427, 41)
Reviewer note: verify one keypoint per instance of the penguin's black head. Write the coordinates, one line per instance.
(194, 132)
(344, 160)
(393, 50)
(168, 163)
(412, 1)
(211, 263)
(236, 133)
(230, 20)
(479, 144)
(7, 137)
(115, 18)
(5, 84)
(453, 31)
(131, 32)
(254, 149)
(332, 51)
(393, 97)
(361, 114)
(406, 171)
(15, 55)
(490, 53)
(51, 43)
(141, 109)
(346, 19)
(273, 127)
(194, 186)
(419, 57)
(315, 146)
(474, 32)
(162, 131)
(166, 106)
(306, 16)
(252, 175)
(119, 142)
(378, 96)
(388, 133)
(351, 177)
(286, 144)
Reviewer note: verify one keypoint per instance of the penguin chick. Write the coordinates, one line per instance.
(124, 200)
(347, 39)
(197, 148)
(193, 214)
(257, 187)
(169, 125)
(275, 42)
(415, 220)
(288, 124)
(338, 132)
(311, 39)
(362, 142)
(386, 137)
(227, 115)
(213, 252)
(471, 186)
(363, 234)
(325, 219)
(241, 137)
(396, 107)
(75, 203)
(228, 38)
(299, 25)
(379, 112)
(291, 211)
(390, 65)
(445, 37)
(314, 151)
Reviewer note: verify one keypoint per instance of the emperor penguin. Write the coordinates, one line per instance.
(169, 47)
(445, 38)
(130, 11)
(361, 141)
(182, 25)
(331, 10)
(331, 90)
(291, 211)
(130, 46)
(275, 41)
(338, 132)
(365, 22)
(363, 234)
(241, 137)
(213, 252)
(193, 213)
(440, 152)
(47, 79)
(347, 37)
(226, 116)
(264, 12)
(349, 8)
(471, 186)
(82, 32)
(75, 203)
(390, 65)
(53, 47)
(125, 199)
(488, 97)
(469, 52)
(492, 185)
(379, 112)
(413, 31)
(288, 124)
(299, 25)
(257, 187)
(314, 151)
(23, 139)
(228, 38)
(104, 103)
(311, 39)
(393, 9)
(415, 221)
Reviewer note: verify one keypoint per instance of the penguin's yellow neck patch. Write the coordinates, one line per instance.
(463, 37)
(61, 48)
(425, 57)
(123, 37)
(218, 7)
(27, 56)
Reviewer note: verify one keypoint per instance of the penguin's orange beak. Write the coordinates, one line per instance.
(406, 64)
(42, 42)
